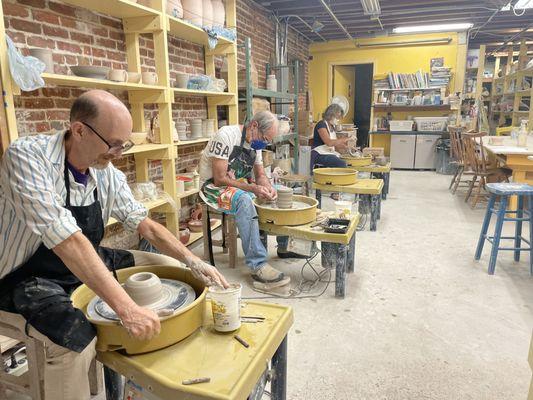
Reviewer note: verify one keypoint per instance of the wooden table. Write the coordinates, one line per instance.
(338, 250)
(368, 189)
(514, 158)
(234, 369)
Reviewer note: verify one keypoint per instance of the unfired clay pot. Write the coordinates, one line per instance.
(144, 288)
(207, 16)
(284, 197)
(193, 11)
(219, 13)
(45, 55)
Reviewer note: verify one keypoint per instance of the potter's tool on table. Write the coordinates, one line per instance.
(179, 301)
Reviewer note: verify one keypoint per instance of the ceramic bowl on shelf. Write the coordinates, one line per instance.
(139, 137)
(90, 71)
(195, 225)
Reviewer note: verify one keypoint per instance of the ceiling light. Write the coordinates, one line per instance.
(520, 5)
(433, 28)
(371, 7)
(317, 26)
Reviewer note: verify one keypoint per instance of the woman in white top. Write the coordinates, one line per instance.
(325, 142)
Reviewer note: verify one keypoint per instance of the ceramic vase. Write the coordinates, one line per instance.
(284, 197)
(207, 16)
(219, 13)
(193, 11)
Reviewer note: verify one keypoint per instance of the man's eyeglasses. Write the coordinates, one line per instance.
(112, 149)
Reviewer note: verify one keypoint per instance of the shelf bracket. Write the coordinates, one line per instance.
(143, 24)
(221, 49)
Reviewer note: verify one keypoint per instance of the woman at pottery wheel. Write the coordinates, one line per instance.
(232, 174)
(325, 143)
(56, 193)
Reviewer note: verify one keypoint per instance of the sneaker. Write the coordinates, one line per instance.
(289, 254)
(269, 275)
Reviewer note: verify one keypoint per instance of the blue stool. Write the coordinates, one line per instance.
(504, 190)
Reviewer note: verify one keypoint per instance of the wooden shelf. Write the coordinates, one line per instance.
(78, 81)
(195, 236)
(407, 90)
(115, 8)
(222, 98)
(193, 141)
(162, 149)
(187, 31)
(283, 138)
(487, 80)
(188, 193)
(521, 112)
(150, 205)
(385, 108)
(407, 132)
(522, 93)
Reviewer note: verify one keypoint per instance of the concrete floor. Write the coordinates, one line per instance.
(421, 319)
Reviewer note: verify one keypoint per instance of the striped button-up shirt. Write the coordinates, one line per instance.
(33, 195)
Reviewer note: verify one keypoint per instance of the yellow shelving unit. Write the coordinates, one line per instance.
(138, 19)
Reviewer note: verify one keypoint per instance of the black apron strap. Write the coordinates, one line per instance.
(209, 238)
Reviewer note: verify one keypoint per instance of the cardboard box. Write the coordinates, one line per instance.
(257, 105)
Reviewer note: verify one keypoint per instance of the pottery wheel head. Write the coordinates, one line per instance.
(169, 295)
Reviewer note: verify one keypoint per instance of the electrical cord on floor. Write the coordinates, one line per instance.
(304, 286)
(362, 222)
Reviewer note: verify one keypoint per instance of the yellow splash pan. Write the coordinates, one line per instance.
(358, 162)
(288, 217)
(335, 176)
(112, 336)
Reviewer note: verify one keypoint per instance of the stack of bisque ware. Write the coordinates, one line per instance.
(196, 128)
(181, 128)
(208, 127)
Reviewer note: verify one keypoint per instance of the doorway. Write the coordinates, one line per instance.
(354, 81)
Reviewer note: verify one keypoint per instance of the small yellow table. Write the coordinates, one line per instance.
(376, 171)
(368, 189)
(338, 249)
(233, 369)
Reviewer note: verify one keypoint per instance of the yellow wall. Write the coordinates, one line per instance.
(344, 85)
(406, 59)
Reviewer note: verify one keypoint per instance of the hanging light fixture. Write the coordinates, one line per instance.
(372, 8)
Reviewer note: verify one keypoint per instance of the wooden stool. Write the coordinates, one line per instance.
(31, 383)
(297, 179)
(229, 235)
(504, 191)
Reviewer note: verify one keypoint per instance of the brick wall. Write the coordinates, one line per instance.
(78, 36)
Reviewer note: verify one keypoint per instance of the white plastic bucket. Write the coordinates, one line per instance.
(226, 306)
(343, 209)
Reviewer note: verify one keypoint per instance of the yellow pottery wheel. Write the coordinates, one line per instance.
(358, 162)
(335, 176)
(112, 336)
(290, 216)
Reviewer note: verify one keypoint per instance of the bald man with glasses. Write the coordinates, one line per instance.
(56, 194)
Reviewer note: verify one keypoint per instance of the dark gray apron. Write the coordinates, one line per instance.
(40, 289)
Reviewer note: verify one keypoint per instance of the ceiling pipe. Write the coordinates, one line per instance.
(406, 43)
(305, 23)
(512, 38)
(336, 19)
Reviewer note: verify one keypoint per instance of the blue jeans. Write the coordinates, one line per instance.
(326, 160)
(248, 226)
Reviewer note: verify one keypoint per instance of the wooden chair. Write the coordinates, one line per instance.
(477, 159)
(229, 235)
(459, 159)
(31, 383)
